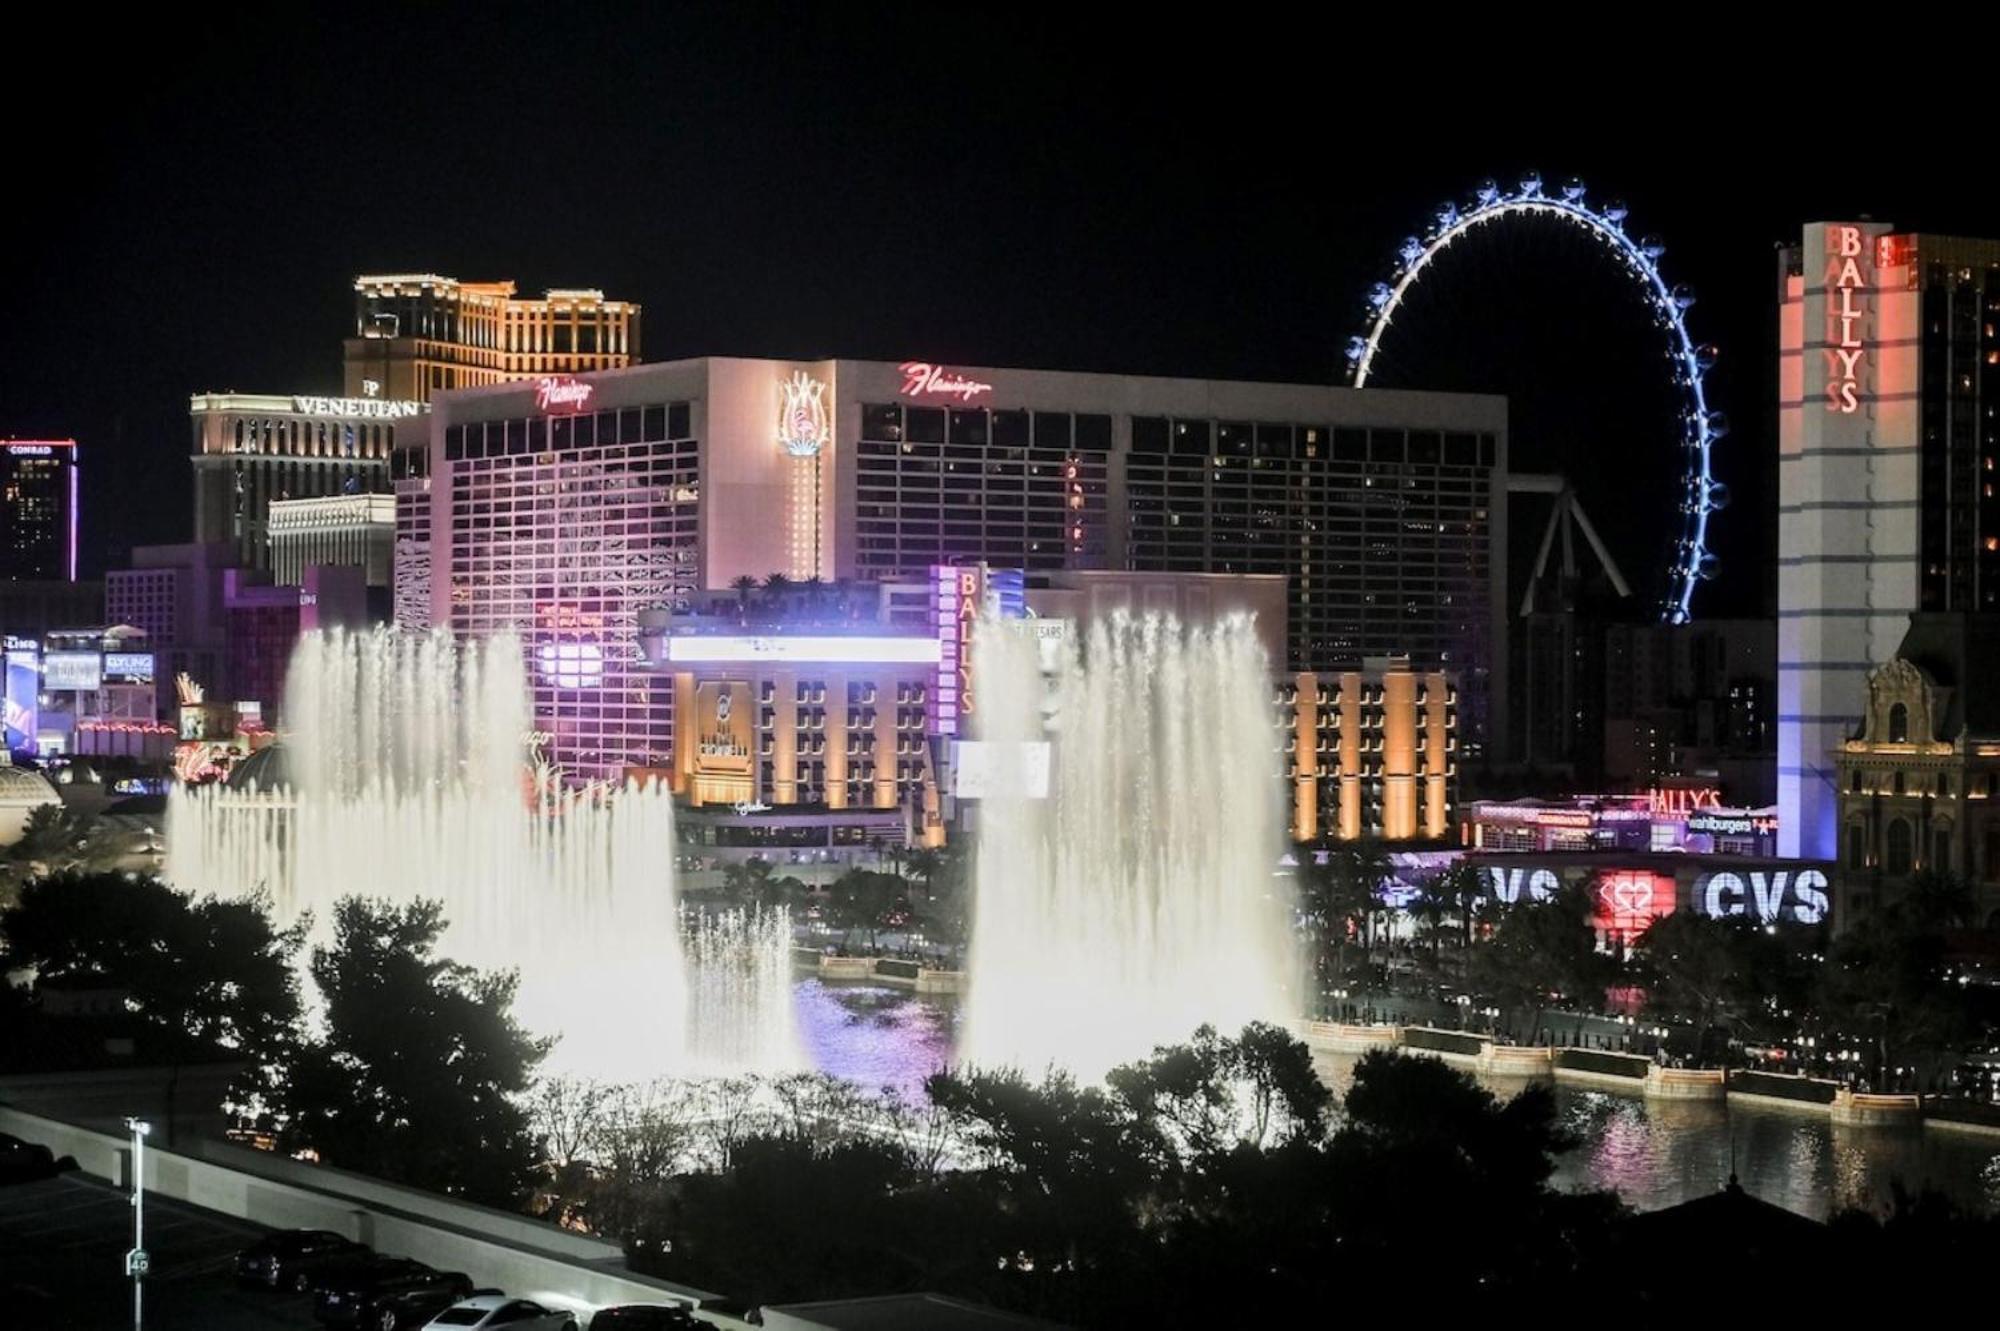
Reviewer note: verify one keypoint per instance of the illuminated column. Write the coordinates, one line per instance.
(785, 734)
(886, 757)
(836, 738)
(804, 518)
(1436, 765)
(1349, 703)
(805, 427)
(1399, 754)
(1305, 743)
(686, 736)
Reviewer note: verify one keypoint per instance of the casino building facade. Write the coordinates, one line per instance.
(815, 722)
(253, 449)
(1888, 385)
(416, 334)
(564, 506)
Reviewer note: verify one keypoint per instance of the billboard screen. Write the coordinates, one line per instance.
(72, 670)
(18, 699)
(128, 667)
(994, 769)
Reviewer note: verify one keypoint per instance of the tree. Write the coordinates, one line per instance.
(203, 977)
(861, 899)
(1939, 899)
(644, 1134)
(417, 1077)
(56, 838)
(1340, 898)
(777, 592)
(1459, 891)
(755, 884)
(1694, 968)
(1069, 1162)
(947, 911)
(1214, 1093)
(1894, 981)
(745, 587)
(1415, 1130)
(1542, 952)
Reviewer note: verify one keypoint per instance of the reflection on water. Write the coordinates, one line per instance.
(1652, 1153)
(875, 1035)
(1656, 1153)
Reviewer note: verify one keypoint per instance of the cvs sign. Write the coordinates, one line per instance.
(1768, 894)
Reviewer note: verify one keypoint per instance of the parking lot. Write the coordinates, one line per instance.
(62, 1258)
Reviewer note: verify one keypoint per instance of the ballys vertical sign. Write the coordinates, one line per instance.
(968, 613)
(1845, 285)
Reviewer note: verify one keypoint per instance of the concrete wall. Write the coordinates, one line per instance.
(494, 1248)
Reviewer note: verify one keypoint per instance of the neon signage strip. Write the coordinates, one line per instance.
(921, 377)
(1703, 493)
(805, 647)
(1844, 355)
(563, 393)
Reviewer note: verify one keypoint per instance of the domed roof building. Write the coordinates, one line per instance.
(22, 791)
(269, 768)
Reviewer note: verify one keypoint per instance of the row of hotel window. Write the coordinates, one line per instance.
(590, 429)
(895, 423)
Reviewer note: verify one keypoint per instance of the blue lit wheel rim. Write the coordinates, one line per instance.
(1701, 493)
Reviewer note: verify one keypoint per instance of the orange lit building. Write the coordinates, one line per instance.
(418, 333)
(1372, 753)
(815, 721)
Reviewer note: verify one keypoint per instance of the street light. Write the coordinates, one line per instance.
(136, 1260)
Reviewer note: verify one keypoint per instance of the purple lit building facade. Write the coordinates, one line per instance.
(562, 508)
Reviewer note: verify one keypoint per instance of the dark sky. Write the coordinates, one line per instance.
(1004, 189)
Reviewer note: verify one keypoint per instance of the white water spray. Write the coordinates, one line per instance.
(408, 778)
(1140, 899)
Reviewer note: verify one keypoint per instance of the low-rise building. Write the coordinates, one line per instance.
(1919, 778)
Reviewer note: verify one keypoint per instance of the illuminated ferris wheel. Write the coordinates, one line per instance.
(1701, 494)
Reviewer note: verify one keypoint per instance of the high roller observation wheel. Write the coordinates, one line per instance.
(1702, 495)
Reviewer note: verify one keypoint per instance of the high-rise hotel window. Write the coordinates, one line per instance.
(937, 486)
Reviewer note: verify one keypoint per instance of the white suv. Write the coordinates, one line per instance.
(497, 1310)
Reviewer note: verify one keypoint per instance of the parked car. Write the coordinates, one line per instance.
(291, 1258)
(643, 1317)
(24, 1162)
(337, 1289)
(390, 1302)
(497, 1310)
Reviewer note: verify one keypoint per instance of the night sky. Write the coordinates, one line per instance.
(1010, 190)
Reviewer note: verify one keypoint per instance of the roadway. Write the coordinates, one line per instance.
(62, 1259)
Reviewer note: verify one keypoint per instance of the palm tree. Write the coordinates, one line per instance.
(1461, 890)
(1430, 908)
(777, 588)
(843, 597)
(815, 593)
(1342, 895)
(744, 586)
(1940, 899)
